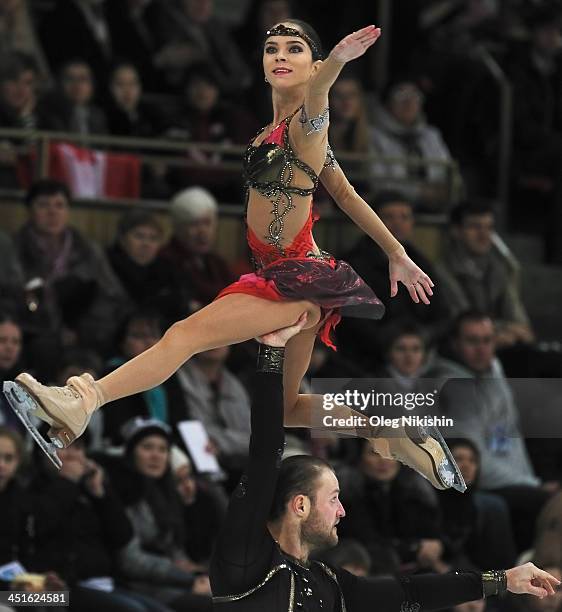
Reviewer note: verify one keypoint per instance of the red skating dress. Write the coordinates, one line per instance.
(297, 271)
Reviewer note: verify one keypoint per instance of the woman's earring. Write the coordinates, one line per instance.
(265, 79)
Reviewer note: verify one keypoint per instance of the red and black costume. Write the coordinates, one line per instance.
(297, 271)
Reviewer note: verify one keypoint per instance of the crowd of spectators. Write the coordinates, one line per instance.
(128, 524)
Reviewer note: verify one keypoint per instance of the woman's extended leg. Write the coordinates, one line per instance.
(231, 319)
(424, 451)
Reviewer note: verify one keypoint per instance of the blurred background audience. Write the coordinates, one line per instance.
(423, 129)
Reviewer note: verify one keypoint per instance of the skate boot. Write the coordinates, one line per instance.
(66, 409)
(424, 450)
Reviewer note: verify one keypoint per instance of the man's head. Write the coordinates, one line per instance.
(473, 341)
(406, 347)
(48, 202)
(404, 101)
(397, 213)
(473, 225)
(202, 90)
(347, 99)
(194, 216)
(77, 82)
(307, 498)
(18, 81)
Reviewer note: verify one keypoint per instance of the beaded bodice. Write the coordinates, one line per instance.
(269, 168)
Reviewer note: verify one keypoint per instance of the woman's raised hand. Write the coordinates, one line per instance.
(402, 269)
(355, 44)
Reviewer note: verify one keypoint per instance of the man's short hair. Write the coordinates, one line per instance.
(469, 209)
(468, 316)
(384, 198)
(14, 64)
(46, 187)
(298, 476)
(136, 218)
(402, 327)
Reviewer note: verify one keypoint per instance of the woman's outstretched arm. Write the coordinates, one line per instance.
(313, 119)
(401, 267)
(351, 47)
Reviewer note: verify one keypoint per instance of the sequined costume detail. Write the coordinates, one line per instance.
(314, 124)
(268, 169)
(298, 270)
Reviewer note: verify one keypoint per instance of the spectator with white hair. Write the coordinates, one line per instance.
(194, 214)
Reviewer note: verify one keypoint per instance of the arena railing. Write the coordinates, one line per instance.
(174, 154)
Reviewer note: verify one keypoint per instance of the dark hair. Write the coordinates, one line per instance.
(393, 86)
(468, 316)
(308, 30)
(390, 197)
(402, 327)
(135, 218)
(297, 476)
(453, 443)
(470, 208)
(151, 316)
(145, 432)
(123, 64)
(83, 359)
(75, 61)
(14, 64)
(160, 494)
(16, 438)
(8, 317)
(46, 187)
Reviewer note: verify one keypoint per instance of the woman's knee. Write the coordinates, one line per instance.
(183, 333)
(314, 314)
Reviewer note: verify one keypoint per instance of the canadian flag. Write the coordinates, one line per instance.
(90, 173)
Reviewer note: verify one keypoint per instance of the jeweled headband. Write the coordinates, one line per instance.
(281, 30)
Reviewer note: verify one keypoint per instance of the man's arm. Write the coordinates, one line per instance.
(439, 591)
(244, 547)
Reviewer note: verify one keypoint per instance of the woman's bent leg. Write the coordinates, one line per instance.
(424, 451)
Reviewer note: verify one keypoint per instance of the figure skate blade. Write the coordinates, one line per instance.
(455, 480)
(24, 404)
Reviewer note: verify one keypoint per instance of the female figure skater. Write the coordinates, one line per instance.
(282, 166)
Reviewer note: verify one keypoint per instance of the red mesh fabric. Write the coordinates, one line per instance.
(265, 254)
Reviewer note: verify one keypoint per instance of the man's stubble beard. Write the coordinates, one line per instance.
(317, 534)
